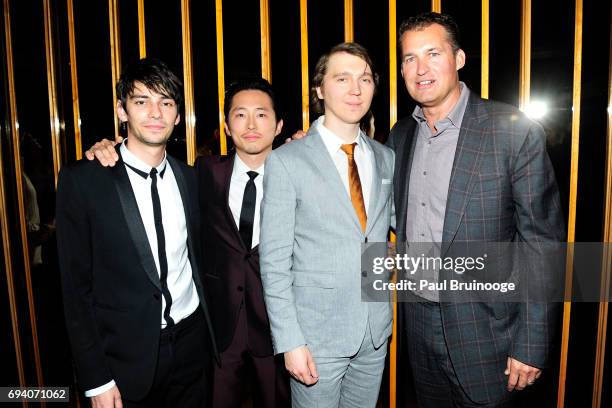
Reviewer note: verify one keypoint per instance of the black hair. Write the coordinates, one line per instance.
(153, 74)
(249, 84)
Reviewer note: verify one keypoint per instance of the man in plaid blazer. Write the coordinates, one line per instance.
(469, 170)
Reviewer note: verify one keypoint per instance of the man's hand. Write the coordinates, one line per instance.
(108, 399)
(520, 375)
(104, 151)
(296, 136)
(301, 366)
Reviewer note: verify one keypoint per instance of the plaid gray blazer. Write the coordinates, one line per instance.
(502, 189)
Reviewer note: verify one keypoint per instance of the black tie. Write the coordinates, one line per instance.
(247, 213)
(161, 239)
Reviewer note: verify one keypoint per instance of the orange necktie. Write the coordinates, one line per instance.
(355, 184)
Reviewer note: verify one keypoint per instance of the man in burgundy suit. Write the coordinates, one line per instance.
(230, 195)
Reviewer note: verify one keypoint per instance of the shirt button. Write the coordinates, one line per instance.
(422, 204)
(429, 142)
(425, 173)
(240, 288)
(422, 234)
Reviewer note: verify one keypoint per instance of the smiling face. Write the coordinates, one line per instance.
(252, 123)
(150, 116)
(347, 89)
(429, 68)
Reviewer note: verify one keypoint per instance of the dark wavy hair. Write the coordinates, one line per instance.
(153, 74)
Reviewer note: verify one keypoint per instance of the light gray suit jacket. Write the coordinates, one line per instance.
(310, 249)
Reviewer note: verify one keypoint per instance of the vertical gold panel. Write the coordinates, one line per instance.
(74, 81)
(54, 119)
(220, 73)
(266, 49)
(115, 50)
(484, 61)
(19, 187)
(188, 82)
(3, 212)
(573, 194)
(304, 61)
(602, 324)
(392, 120)
(142, 39)
(392, 62)
(436, 5)
(348, 20)
(525, 63)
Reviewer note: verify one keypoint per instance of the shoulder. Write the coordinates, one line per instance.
(84, 171)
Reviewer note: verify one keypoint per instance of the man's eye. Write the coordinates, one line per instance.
(409, 59)
(169, 104)
(434, 54)
(367, 80)
(341, 79)
(262, 115)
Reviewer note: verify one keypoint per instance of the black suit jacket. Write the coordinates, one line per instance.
(502, 189)
(112, 292)
(231, 274)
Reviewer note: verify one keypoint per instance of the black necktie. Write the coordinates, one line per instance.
(247, 213)
(161, 239)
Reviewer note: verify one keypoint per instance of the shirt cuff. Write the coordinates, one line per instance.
(100, 389)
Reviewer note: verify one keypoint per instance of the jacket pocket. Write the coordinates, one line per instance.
(316, 279)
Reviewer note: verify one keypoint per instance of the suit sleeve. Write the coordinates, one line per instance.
(74, 252)
(275, 255)
(539, 223)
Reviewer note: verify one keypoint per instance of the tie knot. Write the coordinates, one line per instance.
(153, 172)
(349, 149)
(252, 174)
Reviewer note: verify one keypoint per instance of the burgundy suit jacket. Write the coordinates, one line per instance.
(231, 272)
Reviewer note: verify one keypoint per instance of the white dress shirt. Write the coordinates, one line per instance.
(238, 182)
(362, 156)
(185, 299)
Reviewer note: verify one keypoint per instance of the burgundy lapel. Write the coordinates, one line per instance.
(224, 174)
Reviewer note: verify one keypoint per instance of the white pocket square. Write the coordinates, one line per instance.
(386, 181)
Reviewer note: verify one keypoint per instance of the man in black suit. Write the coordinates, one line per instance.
(230, 207)
(130, 253)
(231, 190)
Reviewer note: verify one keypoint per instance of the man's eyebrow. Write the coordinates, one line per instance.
(235, 108)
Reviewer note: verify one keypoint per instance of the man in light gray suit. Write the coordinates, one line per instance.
(324, 196)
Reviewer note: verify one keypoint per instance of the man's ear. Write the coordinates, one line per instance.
(178, 119)
(121, 112)
(459, 59)
(319, 93)
(279, 127)
(227, 131)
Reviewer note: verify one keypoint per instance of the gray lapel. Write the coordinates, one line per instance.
(467, 160)
(377, 175)
(134, 222)
(328, 171)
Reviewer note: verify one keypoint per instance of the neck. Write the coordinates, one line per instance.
(152, 155)
(435, 113)
(345, 131)
(253, 161)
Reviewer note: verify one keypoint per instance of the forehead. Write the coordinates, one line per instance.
(434, 35)
(251, 98)
(345, 62)
(141, 89)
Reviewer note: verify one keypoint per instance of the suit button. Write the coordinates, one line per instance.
(364, 273)
(247, 256)
(240, 288)
(156, 296)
